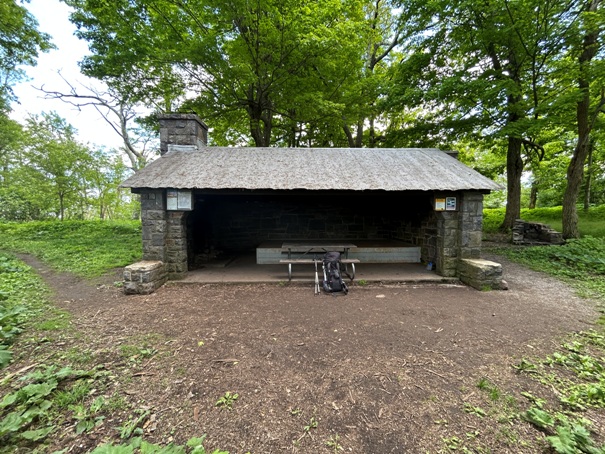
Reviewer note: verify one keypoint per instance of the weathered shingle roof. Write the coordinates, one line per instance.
(356, 169)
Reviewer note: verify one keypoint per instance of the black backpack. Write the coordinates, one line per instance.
(333, 282)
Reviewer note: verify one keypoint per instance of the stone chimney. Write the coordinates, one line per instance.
(182, 132)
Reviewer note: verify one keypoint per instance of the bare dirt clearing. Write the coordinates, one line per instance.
(383, 369)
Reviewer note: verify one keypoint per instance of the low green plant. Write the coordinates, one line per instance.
(22, 296)
(25, 412)
(591, 222)
(135, 354)
(312, 425)
(525, 366)
(485, 385)
(77, 393)
(334, 444)
(89, 417)
(566, 435)
(469, 408)
(132, 426)
(227, 400)
(192, 446)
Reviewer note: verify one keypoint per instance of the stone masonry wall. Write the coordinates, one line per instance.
(182, 132)
(164, 233)
(242, 223)
(471, 225)
(176, 244)
(459, 233)
(143, 278)
(446, 259)
(481, 274)
(153, 222)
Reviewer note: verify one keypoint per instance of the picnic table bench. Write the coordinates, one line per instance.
(309, 251)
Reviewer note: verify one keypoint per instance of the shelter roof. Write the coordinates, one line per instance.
(354, 169)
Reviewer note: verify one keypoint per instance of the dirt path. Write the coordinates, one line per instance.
(385, 369)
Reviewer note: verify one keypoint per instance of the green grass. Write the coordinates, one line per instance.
(86, 248)
(22, 296)
(590, 223)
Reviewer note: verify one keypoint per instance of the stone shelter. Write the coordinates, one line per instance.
(398, 205)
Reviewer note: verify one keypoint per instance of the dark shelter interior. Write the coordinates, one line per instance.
(236, 222)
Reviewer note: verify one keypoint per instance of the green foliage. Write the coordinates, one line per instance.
(591, 221)
(46, 174)
(577, 375)
(87, 248)
(20, 43)
(21, 295)
(37, 404)
(25, 413)
(568, 436)
(227, 400)
(580, 262)
(138, 445)
(279, 71)
(492, 219)
(131, 427)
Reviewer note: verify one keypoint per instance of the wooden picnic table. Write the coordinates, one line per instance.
(309, 249)
(316, 246)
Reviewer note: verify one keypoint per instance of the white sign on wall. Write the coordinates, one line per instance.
(179, 200)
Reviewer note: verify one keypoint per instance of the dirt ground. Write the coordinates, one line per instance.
(384, 369)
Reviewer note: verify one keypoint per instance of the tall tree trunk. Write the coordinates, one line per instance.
(372, 138)
(359, 136)
(533, 195)
(61, 206)
(261, 121)
(349, 135)
(588, 185)
(575, 170)
(514, 170)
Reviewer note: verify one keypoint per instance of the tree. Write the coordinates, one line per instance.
(484, 71)
(20, 44)
(118, 113)
(54, 162)
(589, 78)
(254, 70)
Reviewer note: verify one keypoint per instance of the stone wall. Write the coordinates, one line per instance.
(176, 244)
(145, 277)
(535, 233)
(241, 223)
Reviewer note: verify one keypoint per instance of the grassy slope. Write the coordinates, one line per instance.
(86, 248)
(591, 222)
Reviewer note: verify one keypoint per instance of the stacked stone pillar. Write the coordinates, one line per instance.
(446, 259)
(471, 225)
(153, 222)
(176, 245)
(459, 233)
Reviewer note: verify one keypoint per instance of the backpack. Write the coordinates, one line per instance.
(333, 282)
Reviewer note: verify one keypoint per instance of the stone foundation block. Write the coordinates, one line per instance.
(145, 277)
(480, 274)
